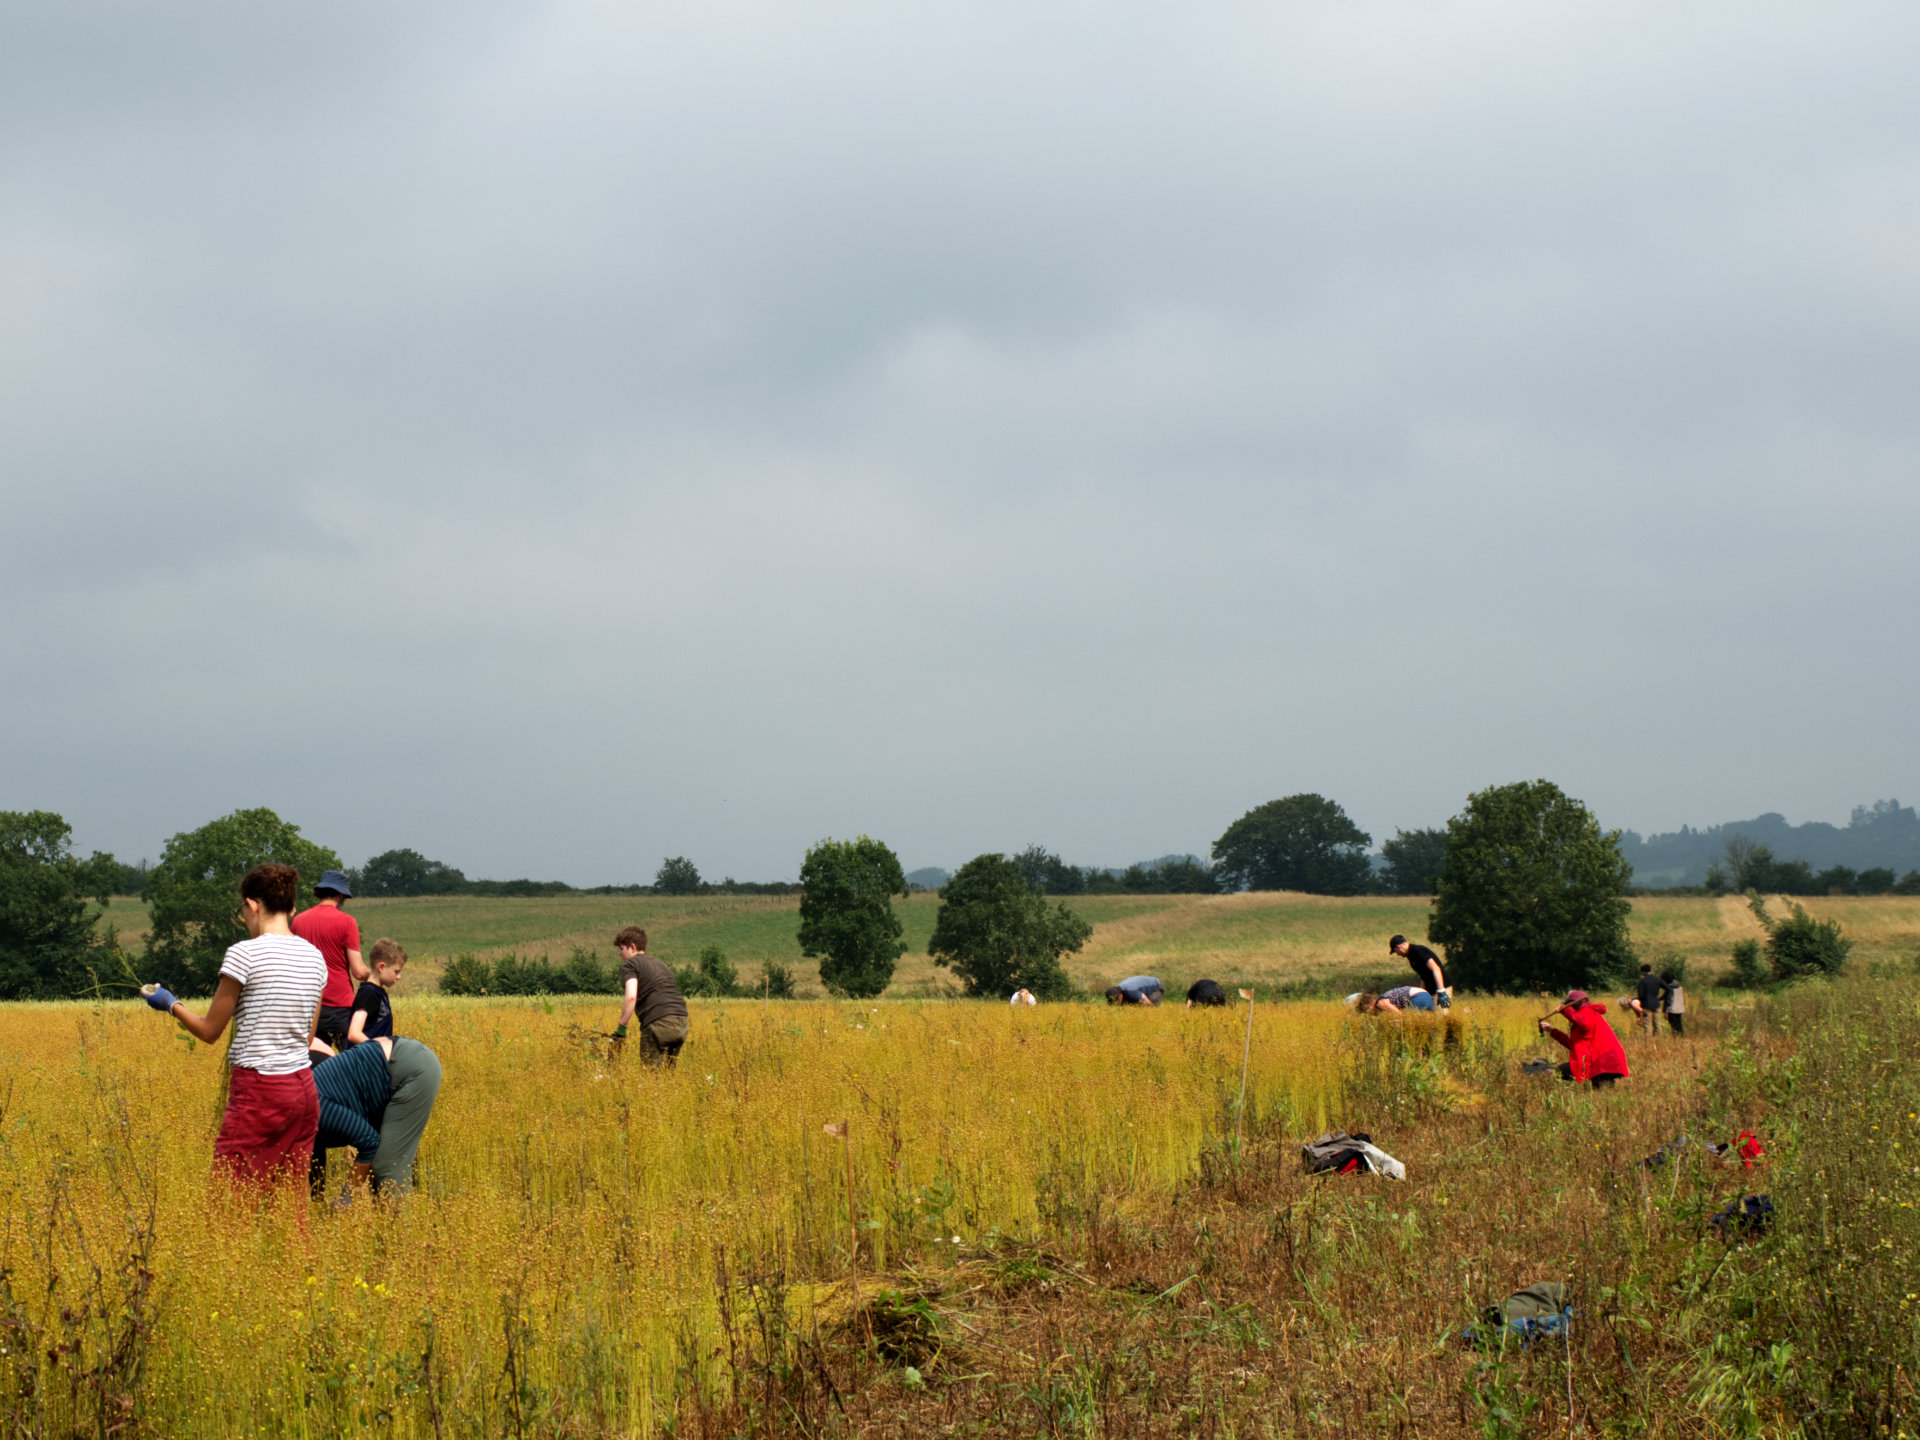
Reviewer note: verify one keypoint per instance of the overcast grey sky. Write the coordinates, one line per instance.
(557, 436)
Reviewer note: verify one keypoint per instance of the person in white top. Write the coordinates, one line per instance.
(1022, 997)
(269, 988)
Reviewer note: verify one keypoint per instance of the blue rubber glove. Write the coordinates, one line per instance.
(160, 998)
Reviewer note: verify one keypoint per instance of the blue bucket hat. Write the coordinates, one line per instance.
(333, 880)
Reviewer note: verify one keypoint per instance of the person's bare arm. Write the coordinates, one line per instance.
(1439, 978)
(313, 1025)
(357, 1031)
(211, 1026)
(633, 999)
(1385, 1006)
(357, 968)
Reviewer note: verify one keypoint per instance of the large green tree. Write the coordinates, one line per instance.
(1304, 842)
(49, 946)
(1533, 893)
(846, 914)
(193, 894)
(1414, 859)
(997, 932)
(677, 875)
(406, 872)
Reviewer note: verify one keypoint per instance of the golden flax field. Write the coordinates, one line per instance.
(575, 1209)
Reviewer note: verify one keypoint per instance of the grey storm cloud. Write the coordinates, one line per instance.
(558, 436)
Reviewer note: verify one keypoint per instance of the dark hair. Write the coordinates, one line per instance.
(274, 886)
(1646, 968)
(387, 952)
(1115, 995)
(1396, 942)
(1666, 977)
(633, 935)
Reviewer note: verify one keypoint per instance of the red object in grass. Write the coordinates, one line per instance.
(1749, 1148)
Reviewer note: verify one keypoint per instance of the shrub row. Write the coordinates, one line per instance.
(585, 973)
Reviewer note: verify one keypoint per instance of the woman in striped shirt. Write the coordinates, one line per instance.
(269, 988)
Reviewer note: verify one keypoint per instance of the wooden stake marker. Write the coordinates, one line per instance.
(1246, 1059)
(838, 1129)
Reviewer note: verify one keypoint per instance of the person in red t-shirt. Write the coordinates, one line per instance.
(336, 935)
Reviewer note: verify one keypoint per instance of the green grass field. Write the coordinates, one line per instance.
(1267, 938)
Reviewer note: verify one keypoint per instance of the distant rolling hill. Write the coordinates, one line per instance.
(1883, 834)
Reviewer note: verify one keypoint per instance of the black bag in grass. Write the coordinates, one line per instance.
(1745, 1219)
(1665, 1153)
(1336, 1151)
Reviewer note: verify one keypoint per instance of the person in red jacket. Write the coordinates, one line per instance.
(1596, 1054)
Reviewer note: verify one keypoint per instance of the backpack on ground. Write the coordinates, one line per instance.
(1665, 1153)
(1339, 1153)
(1539, 1312)
(1747, 1218)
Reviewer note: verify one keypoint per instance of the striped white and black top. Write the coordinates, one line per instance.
(280, 977)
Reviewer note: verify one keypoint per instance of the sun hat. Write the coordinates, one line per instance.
(333, 880)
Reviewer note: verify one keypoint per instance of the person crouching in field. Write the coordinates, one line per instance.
(1395, 1001)
(269, 989)
(1205, 993)
(652, 992)
(1595, 1054)
(1426, 965)
(1137, 990)
(377, 1097)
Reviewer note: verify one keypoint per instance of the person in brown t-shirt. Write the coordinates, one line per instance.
(650, 989)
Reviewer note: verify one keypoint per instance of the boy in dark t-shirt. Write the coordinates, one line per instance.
(650, 991)
(372, 1009)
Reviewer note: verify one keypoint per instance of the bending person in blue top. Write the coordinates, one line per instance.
(1137, 990)
(378, 1097)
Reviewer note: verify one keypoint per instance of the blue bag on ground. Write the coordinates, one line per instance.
(1539, 1312)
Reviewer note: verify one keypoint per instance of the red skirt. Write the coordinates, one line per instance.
(267, 1133)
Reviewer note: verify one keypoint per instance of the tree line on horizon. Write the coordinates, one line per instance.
(1537, 910)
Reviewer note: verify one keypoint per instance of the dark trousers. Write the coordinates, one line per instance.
(656, 1052)
(1598, 1082)
(660, 1040)
(335, 1021)
(1676, 1022)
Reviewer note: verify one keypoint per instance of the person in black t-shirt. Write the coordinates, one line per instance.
(1205, 992)
(651, 994)
(1425, 964)
(372, 1009)
(1646, 1000)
